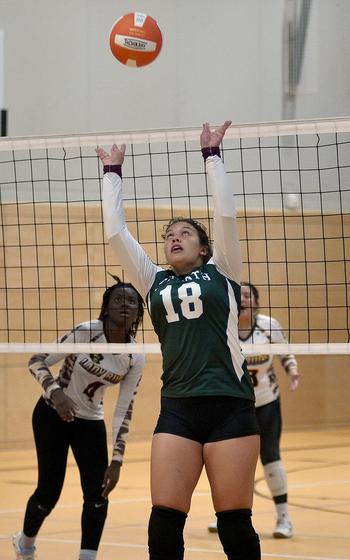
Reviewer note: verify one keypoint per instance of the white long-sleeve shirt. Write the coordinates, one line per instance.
(85, 377)
(267, 330)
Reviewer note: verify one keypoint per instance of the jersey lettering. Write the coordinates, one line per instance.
(191, 304)
(96, 358)
(254, 376)
(171, 316)
(91, 389)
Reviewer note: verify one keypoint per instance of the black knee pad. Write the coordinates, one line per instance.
(165, 534)
(237, 535)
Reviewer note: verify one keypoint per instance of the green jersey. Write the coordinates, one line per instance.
(195, 318)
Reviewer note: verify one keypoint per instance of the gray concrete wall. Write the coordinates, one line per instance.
(219, 60)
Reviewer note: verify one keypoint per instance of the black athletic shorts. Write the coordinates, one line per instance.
(207, 419)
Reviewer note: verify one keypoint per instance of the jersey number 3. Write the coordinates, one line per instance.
(191, 304)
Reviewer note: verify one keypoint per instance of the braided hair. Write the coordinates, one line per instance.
(105, 301)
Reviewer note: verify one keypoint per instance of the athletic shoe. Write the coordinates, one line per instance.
(22, 553)
(213, 527)
(283, 529)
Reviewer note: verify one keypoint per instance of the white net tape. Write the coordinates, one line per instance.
(154, 348)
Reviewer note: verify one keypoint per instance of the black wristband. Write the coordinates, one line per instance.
(210, 151)
(113, 169)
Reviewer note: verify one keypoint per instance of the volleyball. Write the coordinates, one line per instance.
(292, 201)
(135, 39)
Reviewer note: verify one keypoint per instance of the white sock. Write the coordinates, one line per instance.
(282, 510)
(26, 542)
(86, 554)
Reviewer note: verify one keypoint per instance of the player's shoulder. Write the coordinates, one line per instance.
(162, 277)
(139, 359)
(93, 325)
(266, 322)
(163, 273)
(89, 330)
(212, 266)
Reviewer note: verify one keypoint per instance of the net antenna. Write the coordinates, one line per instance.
(55, 262)
(3, 112)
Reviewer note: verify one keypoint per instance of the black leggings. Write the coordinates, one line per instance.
(270, 424)
(87, 439)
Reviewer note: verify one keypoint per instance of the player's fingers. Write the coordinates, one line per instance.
(66, 417)
(100, 151)
(294, 383)
(67, 411)
(107, 487)
(105, 480)
(222, 129)
(105, 492)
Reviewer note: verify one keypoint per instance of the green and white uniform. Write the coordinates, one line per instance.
(195, 316)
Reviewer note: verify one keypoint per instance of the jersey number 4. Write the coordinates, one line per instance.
(191, 304)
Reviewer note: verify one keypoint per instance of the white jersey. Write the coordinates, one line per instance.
(266, 330)
(85, 377)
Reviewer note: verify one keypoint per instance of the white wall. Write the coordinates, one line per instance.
(219, 60)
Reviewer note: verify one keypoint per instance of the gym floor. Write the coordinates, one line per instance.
(319, 494)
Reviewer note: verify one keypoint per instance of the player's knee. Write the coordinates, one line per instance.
(269, 452)
(237, 535)
(96, 509)
(276, 478)
(43, 504)
(36, 512)
(165, 534)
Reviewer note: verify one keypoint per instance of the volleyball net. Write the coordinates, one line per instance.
(291, 181)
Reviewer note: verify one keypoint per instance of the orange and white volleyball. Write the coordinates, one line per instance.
(135, 39)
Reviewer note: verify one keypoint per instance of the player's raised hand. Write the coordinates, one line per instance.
(115, 157)
(211, 138)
